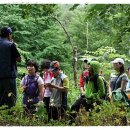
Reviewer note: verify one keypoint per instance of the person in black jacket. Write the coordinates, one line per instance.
(8, 70)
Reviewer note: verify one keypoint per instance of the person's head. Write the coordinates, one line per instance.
(118, 65)
(94, 67)
(6, 32)
(55, 68)
(85, 64)
(32, 67)
(129, 70)
(45, 65)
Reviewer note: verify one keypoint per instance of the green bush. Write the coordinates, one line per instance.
(107, 114)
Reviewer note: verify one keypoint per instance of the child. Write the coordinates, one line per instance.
(33, 88)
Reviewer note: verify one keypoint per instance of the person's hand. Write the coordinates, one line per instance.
(82, 93)
(110, 96)
(47, 85)
(24, 88)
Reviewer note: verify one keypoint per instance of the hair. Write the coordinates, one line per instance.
(122, 69)
(85, 61)
(34, 63)
(45, 64)
(128, 68)
(5, 31)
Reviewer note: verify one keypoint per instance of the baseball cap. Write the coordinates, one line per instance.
(6, 31)
(55, 65)
(118, 60)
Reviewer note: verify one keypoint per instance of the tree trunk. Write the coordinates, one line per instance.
(75, 65)
(74, 49)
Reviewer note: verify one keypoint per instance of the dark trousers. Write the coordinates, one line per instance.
(29, 110)
(46, 100)
(56, 113)
(82, 102)
(8, 92)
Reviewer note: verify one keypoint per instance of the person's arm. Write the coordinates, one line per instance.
(18, 59)
(15, 53)
(41, 91)
(41, 88)
(109, 88)
(82, 91)
(81, 84)
(81, 81)
(124, 82)
(23, 86)
(62, 88)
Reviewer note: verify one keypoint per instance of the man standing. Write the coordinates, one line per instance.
(59, 87)
(8, 69)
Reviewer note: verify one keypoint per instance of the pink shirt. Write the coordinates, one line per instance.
(47, 77)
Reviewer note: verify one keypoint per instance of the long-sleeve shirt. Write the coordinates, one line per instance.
(83, 78)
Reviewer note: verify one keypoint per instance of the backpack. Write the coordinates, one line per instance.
(105, 97)
(64, 98)
(117, 95)
(120, 96)
(32, 85)
(31, 93)
(64, 95)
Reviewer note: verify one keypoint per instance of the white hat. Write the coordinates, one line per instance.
(117, 60)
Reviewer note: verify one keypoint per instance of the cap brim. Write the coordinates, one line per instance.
(51, 69)
(114, 61)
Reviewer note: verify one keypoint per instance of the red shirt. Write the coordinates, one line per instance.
(82, 77)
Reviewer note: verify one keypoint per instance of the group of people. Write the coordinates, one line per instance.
(94, 87)
(50, 87)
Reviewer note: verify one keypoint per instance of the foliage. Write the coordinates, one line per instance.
(107, 114)
(110, 114)
(98, 31)
(105, 55)
(107, 19)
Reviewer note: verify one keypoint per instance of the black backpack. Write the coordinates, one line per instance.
(64, 98)
(105, 97)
